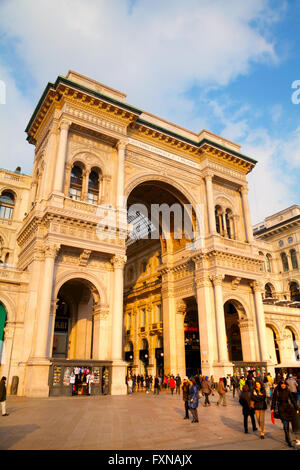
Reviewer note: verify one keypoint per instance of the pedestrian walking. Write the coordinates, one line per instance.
(235, 384)
(242, 382)
(221, 391)
(268, 390)
(282, 406)
(172, 384)
(194, 400)
(206, 390)
(185, 395)
(3, 396)
(250, 381)
(258, 396)
(178, 383)
(292, 384)
(248, 408)
(156, 385)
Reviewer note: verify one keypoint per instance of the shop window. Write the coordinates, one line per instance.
(7, 203)
(294, 259)
(285, 264)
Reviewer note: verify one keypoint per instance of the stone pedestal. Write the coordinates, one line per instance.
(37, 378)
(118, 385)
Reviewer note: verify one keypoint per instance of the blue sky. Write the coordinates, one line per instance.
(224, 66)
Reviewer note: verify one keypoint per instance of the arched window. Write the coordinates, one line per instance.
(294, 291)
(285, 264)
(76, 183)
(268, 263)
(219, 220)
(7, 202)
(268, 291)
(94, 186)
(294, 259)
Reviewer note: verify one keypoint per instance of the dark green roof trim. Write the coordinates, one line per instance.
(280, 224)
(84, 89)
(192, 142)
(133, 110)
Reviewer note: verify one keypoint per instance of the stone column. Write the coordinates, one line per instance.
(169, 322)
(210, 203)
(61, 157)
(120, 182)
(43, 338)
(220, 318)
(260, 320)
(119, 366)
(205, 312)
(180, 344)
(100, 333)
(37, 366)
(67, 180)
(246, 210)
(247, 339)
(85, 184)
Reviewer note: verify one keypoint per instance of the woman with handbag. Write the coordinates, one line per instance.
(248, 408)
(193, 401)
(282, 408)
(258, 396)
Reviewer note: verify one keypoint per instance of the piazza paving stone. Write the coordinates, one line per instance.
(137, 422)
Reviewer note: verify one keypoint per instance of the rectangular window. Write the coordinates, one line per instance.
(158, 313)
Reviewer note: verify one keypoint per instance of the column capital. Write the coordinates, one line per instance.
(208, 175)
(119, 261)
(244, 189)
(64, 124)
(257, 286)
(121, 144)
(51, 250)
(181, 307)
(217, 279)
(203, 281)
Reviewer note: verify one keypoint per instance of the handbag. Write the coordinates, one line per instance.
(252, 404)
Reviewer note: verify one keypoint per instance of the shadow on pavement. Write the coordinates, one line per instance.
(9, 435)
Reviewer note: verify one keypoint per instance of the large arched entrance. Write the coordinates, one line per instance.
(163, 225)
(234, 342)
(77, 361)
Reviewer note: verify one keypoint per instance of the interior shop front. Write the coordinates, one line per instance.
(77, 378)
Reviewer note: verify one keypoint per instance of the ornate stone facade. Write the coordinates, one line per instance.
(178, 300)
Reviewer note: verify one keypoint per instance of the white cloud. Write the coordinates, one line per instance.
(153, 51)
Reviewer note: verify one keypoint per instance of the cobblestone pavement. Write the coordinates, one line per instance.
(138, 422)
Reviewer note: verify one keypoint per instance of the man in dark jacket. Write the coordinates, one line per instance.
(3, 396)
(284, 401)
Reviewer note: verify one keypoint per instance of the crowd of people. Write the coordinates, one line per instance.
(255, 393)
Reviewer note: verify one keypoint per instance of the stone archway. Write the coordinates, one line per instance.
(232, 312)
(151, 250)
(77, 317)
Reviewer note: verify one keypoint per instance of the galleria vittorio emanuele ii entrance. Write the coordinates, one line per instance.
(136, 252)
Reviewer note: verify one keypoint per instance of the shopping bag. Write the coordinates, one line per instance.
(272, 417)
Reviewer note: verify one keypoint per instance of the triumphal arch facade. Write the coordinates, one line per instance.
(136, 248)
